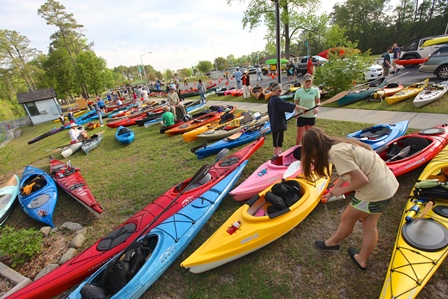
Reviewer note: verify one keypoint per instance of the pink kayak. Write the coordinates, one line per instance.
(267, 174)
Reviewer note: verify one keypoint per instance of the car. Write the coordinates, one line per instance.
(252, 70)
(242, 69)
(374, 71)
(302, 64)
(437, 63)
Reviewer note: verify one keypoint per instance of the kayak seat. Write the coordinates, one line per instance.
(203, 181)
(392, 85)
(417, 144)
(281, 197)
(376, 133)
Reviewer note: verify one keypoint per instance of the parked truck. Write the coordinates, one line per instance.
(416, 50)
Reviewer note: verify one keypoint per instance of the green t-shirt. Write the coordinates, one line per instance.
(307, 99)
(168, 118)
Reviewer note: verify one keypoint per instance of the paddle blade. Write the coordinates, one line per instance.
(403, 153)
(335, 98)
(221, 154)
(292, 168)
(199, 175)
(235, 136)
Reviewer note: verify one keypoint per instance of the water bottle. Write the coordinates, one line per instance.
(333, 198)
(413, 211)
(234, 227)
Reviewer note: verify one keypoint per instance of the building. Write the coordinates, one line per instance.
(40, 105)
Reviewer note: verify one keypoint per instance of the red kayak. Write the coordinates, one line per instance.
(87, 262)
(126, 122)
(71, 181)
(414, 61)
(408, 152)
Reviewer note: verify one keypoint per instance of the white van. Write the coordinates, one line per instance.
(415, 49)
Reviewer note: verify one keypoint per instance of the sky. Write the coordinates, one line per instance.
(178, 33)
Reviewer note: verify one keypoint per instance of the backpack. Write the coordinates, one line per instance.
(121, 270)
(283, 195)
(430, 189)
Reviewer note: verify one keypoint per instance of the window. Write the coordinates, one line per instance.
(32, 109)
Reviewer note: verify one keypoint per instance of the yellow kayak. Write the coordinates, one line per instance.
(255, 225)
(407, 92)
(435, 41)
(77, 113)
(193, 134)
(422, 241)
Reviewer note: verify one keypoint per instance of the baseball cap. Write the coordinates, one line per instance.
(307, 77)
(72, 125)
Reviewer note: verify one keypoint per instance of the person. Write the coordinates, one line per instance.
(62, 119)
(89, 104)
(276, 111)
(259, 73)
(306, 97)
(201, 90)
(246, 85)
(290, 72)
(310, 66)
(71, 117)
(238, 76)
(77, 134)
(99, 113)
(101, 104)
(167, 117)
(396, 56)
(269, 70)
(365, 172)
(226, 75)
(174, 101)
(185, 81)
(386, 61)
(145, 95)
(119, 102)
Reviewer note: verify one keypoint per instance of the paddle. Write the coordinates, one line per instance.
(403, 153)
(428, 207)
(61, 146)
(292, 168)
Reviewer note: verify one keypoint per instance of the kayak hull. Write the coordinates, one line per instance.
(407, 92)
(412, 264)
(40, 203)
(8, 196)
(379, 135)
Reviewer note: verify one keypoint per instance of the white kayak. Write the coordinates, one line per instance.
(430, 94)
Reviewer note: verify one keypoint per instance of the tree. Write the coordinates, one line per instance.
(221, 63)
(204, 66)
(296, 17)
(15, 53)
(68, 35)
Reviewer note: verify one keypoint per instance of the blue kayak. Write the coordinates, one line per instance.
(160, 247)
(379, 135)
(248, 135)
(38, 194)
(124, 135)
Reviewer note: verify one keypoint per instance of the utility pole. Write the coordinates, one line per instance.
(277, 38)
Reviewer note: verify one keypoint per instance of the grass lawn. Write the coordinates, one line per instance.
(125, 178)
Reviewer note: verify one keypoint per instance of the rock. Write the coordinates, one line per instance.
(77, 241)
(67, 256)
(46, 230)
(54, 229)
(72, 226)
(81, 231)
(46, 270)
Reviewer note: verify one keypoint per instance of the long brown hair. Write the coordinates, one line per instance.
(316, 145)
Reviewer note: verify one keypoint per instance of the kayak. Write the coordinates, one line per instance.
(430, 94)
(195, 123)
(173, 236)
(413, 61)
(8, 195)
(435, 41)
(407, 92)
(224, 119)
(163, 129)
(267, 174)
(388, 90)
(267, 93)
(92, 142)
(45, 135)
(124, 135)
(189, 109)
(69, 179)
(155, 117)
(38, 194)
(255, 225)
(422, 240)
(357, 95)
(158, 210)
(257, 91)
(250, 134)
(236, 125)
(408, 152)
(378, 135)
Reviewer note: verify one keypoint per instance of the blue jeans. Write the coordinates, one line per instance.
(259, 76)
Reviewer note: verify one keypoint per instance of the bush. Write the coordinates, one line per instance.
(21, 244)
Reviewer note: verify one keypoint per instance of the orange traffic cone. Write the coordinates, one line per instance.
(227, 83)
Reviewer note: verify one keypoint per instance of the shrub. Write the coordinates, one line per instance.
(20, 244)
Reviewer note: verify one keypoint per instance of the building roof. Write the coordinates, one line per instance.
(37, 95)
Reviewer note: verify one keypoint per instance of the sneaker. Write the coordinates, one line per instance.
(102, 126)
(392, 72)
(397, 70)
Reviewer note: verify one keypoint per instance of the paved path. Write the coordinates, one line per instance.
(417, 120)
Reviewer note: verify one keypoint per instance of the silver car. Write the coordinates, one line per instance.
(437, 63)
